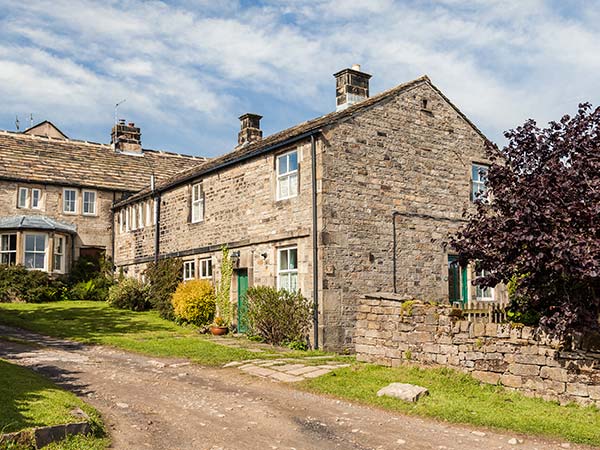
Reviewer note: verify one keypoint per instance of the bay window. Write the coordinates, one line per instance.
(59, 254)
(8, 249)
(35, 251)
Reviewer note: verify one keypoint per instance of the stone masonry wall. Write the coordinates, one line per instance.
(396, 156)
(92, 230)
(392, 332)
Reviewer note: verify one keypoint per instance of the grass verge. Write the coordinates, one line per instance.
(458, 398)
(29, 400)
(144, 332)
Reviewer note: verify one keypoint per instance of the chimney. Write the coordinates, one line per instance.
(250, 129)
(126, 138)
(351, 86)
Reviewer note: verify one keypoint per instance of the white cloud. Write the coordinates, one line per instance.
(199, 65)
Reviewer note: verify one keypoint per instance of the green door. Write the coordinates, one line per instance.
(242, 283)
(457, 281)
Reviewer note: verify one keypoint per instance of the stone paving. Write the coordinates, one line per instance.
(286, 370)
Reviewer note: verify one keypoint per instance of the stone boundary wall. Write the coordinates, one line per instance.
(391, 331)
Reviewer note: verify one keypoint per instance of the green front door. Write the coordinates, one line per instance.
(242, 284)
(457, 281)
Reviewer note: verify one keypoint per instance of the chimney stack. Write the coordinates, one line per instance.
(126, 138)
(351, 86)
(250, 129)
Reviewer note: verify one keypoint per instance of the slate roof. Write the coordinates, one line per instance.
(71, 162)
(36, 223)
(263, 145)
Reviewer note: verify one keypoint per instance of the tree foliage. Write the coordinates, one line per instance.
(540, 224)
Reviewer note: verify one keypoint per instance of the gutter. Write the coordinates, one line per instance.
(156, 227)
(112, 242)
(223, 165)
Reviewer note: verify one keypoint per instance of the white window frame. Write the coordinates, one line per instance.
(154, 212)
(286, 273)
(287, 176)
(478, 184)
(36, 251)
(189, 270)
(121, 222)
(127, 226)
(206, 268)
(65, 211)
(133, 213)
(140, 210)
(61, 255)
(94, 204)
(8, 251)
(25, 204)
(197, 203)
(483, 294)
(39, 198)
(149, 213)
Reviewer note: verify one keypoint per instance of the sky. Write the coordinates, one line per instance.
(188, 69)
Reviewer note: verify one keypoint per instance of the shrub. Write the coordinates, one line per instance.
(129, 293)
(31, 286)
(223, 300)
(163, 278)
(194, 302)
(90, 278)
(88, 290)
(279, 317)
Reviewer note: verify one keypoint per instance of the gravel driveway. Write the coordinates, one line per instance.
(171, 404)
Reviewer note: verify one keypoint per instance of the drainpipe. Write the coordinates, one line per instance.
(313, 152)
(394, 214)
(156, 226)
(112, 243)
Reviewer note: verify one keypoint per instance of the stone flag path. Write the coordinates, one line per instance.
(286, 370)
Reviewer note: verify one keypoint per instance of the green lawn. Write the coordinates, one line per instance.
(144, 332)
(29, 400)
(456, 397)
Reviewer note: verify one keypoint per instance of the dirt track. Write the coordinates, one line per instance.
(170, 404)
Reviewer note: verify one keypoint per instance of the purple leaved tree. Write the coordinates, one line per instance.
(540, 224)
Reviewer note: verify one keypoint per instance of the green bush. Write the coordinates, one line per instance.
(163, 278)
(17, 284)
(194, 302)
(279, 317)
(90, 278)
(129, 293)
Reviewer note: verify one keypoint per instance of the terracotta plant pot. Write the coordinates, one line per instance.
(218, 331)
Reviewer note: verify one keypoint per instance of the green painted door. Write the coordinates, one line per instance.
(457, 281)
(242, 284)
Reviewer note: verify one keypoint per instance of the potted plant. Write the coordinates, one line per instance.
(219, 327)
(222, 321)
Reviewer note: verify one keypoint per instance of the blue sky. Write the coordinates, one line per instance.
(188, 69)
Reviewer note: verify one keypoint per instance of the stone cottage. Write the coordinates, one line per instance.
(359, 200)
(57, 194)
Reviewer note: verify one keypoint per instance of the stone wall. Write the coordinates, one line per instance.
(92, 230)
(400, 157)
(392, 332)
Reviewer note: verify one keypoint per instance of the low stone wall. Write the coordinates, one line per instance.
(391, 331)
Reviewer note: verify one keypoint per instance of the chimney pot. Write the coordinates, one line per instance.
(351, 86)
(249, 129)
(126, 138)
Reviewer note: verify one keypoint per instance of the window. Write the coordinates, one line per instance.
(59, 254)
(141, 215)
(8, 249)
(121, 222)
(287, 175)
(35, 251)
(484, 293)
(36, 197)
(89, 203)
(22, 201)
(154, 205)
(206, 268)
(149, 212)
(189, 270)
(479, 177)
(197, 203)
(70, 201)
(287, 273)
(133, 214)
(127, 219)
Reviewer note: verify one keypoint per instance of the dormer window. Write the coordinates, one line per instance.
(287, 175)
